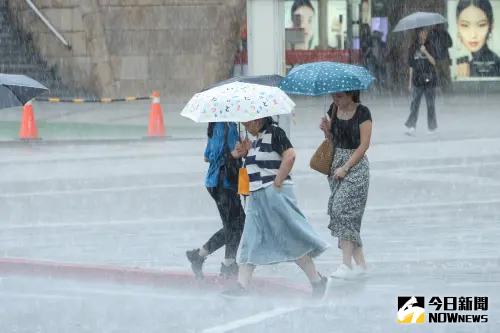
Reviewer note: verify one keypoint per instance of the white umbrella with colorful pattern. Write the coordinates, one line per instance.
(237, 102)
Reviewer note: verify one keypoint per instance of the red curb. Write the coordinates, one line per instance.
(142, 276)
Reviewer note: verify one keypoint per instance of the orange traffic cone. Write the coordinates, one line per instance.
(156, 128)
(28, 130)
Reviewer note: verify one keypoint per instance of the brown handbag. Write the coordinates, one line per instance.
(322, 158)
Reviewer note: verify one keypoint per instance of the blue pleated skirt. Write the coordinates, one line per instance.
(276, 230)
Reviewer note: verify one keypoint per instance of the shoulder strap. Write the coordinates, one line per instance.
(226, 131)
(334, 113)
(333, 116)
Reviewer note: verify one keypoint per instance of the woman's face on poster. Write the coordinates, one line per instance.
(303, 18)
(473, 27)
(365, 11)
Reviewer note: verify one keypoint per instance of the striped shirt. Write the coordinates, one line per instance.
(264, 158)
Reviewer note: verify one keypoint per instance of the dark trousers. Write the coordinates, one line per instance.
(444, 75)
(233, 219)
(430, 96)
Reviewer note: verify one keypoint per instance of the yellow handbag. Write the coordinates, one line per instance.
(322, 158)
(243, 182)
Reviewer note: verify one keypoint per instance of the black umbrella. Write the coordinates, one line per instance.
(16, 90)
(265, 80)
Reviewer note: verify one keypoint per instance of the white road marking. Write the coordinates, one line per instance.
(4, 295)
(139, 294)
(449, 177)
(417, 205)
(257, 318)
(109, 223)
(80, 294)
(99, 190)
(443, 166)
(301, 175)
(402, 169)
(436, 204)
(309, 213)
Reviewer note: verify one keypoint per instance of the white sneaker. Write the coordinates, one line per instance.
(433, 131)
(410, 131)
(359, 271)
(343, 272)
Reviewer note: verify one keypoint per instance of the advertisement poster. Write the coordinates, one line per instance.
(304, 14)
(476, 39)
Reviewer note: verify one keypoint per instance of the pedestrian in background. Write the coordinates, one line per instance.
(222, 138)
(377, 56)
(441, 40)
(275, 229)
(350, 128)
(422, 81)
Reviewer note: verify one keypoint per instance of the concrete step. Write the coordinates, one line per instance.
(18, 56)
(17, 60)
(8, 33)
(13, 43)
(24, 68)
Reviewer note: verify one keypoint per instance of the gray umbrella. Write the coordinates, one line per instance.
(265, 80)
(16, 90)
(419, 20)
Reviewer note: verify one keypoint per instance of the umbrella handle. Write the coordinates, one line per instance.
(239, 133)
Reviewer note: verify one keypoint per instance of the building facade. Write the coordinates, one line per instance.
(129, 48)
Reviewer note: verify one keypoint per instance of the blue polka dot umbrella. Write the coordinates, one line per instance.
(325, 77)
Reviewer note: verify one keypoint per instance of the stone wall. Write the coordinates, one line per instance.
(131, 47)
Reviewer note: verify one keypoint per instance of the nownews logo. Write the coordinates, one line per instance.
(450, 307)
(411, 309)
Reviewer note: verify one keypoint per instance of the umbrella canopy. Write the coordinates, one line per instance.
(265, 80)
(321, 78)
(237, 102)
(419, 20)
(16, 90)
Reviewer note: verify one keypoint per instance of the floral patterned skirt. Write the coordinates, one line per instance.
(348, 198)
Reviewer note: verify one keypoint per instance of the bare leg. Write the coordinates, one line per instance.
(359, 257)
(307, 265)
(245, 274)
(347, 252)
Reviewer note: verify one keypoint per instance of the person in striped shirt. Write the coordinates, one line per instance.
(275, 229)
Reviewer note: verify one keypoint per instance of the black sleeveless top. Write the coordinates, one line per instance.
(346, 133)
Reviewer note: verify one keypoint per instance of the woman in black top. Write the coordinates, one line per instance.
(350, 128)
(422, 81)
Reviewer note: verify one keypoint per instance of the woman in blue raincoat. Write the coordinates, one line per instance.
(222, 138)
